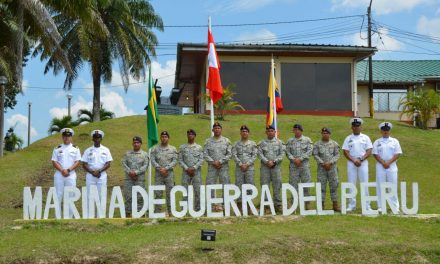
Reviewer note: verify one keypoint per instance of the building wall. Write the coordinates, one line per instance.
(363, 101)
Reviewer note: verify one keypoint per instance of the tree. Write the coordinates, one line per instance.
(226, 103)
(59, 123)
(127, 37)
(421, 104)
(14, 142)
(86, 116)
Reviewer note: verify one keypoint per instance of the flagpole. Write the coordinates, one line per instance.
(272, 66)
(149, 168)
(212, 102)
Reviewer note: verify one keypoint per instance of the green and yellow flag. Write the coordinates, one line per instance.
(152, 114)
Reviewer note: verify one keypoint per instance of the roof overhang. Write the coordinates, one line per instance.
(191, 59)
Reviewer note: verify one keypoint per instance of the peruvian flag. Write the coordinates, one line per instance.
(214, 84)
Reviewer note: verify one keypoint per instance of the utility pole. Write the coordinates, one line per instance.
(370, 64)
(69, 98)
(29, 123)
(3, 82)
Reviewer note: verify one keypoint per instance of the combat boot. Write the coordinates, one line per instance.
(336, 207)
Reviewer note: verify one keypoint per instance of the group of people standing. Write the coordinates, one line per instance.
(218, 150)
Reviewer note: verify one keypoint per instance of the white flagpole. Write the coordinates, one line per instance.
(272, 72)
(212, 102)
(149, 167)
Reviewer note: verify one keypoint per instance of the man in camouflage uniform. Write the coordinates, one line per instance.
(164, 158)
(191, 160)
(244, 153)
(298, 150)
(217, 152)
(134, 163)
(326, 153)
(271, 152)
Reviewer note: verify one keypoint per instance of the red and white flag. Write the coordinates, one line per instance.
(214, 84)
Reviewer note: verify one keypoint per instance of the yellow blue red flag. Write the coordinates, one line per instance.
(274, 103)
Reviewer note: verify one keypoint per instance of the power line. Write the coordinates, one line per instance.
(263, 23)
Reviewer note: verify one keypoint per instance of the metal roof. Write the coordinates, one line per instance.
(410, 71)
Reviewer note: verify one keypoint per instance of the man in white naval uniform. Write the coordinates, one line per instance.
(65, 158)
(357, 148)
(386, 150)
(96, 160)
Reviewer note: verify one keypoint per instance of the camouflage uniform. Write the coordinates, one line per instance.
(137, 161)
(164, 157)
(271, 149)
(191, 156)
(299, 148)
(244, 153)
(217, 149)
(327, 152)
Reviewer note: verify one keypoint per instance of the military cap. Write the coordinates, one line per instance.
(356, 121)
(164, 133)
(385, 126)
(326, 129)
(67, 132)
(270, 127)
(137, 138)
(244, 127)
(191, 131)
(300, 127)
(217, 124)
(97, 133)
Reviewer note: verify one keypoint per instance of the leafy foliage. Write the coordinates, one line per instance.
(227, 103)
(86, 116)
(421, 104)
(59, 123)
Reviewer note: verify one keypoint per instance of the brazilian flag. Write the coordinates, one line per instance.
(152, 114)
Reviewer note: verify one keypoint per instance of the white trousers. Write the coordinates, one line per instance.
(60, 182)
(386, 175)
(353, 172)
(101, 183)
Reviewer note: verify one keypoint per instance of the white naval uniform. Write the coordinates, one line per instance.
(96, 158)
(386, 148)
(66, 156)
(357, 145)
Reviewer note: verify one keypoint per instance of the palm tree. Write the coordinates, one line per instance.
(226, 103)
(86, 116)
(421, 104)
(23, 22)
(59, 123)
(128, 37)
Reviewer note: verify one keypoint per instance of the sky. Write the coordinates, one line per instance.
(403, 30)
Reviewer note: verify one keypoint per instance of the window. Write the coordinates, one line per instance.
(387, 100)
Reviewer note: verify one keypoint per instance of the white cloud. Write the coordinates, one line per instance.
(242, 5)
(80, 103)
(114, 102)
(260, 36)
(429, 27)
(437, 12)
(381, 7)
(20, 124)
(384, 42)
(24, 85)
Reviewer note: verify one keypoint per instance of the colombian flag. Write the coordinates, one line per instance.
(274, 104)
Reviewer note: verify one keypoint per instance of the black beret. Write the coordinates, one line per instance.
(326, 129)
(217, 124)
(137, 138)
(191, 131)
(165, 133)
(300, 127)
(270, 127)
(244, 127)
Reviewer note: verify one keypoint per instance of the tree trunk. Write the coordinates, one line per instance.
(96, 92)
(18, 46)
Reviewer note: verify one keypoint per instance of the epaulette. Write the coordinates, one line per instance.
(75, 146)
(59, 146)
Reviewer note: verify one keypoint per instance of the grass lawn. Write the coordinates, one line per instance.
(268, 239)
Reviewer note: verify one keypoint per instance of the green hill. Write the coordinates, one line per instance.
(327, 239)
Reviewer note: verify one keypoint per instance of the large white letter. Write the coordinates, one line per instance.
(367, 198)
(183, 204)
(415, 208)
(387, 196)
(265, 194)
(284, 188)
(99, 202)
(201, 212)
(70, 196)
(319, 208)
(345, 195)
(135, 190)
(116, 201)
(246, 199)
(84, 199)
(153, 202)
(32, 207)
(211, 200)
(52, 196)
(303, 199)
(230, 199)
